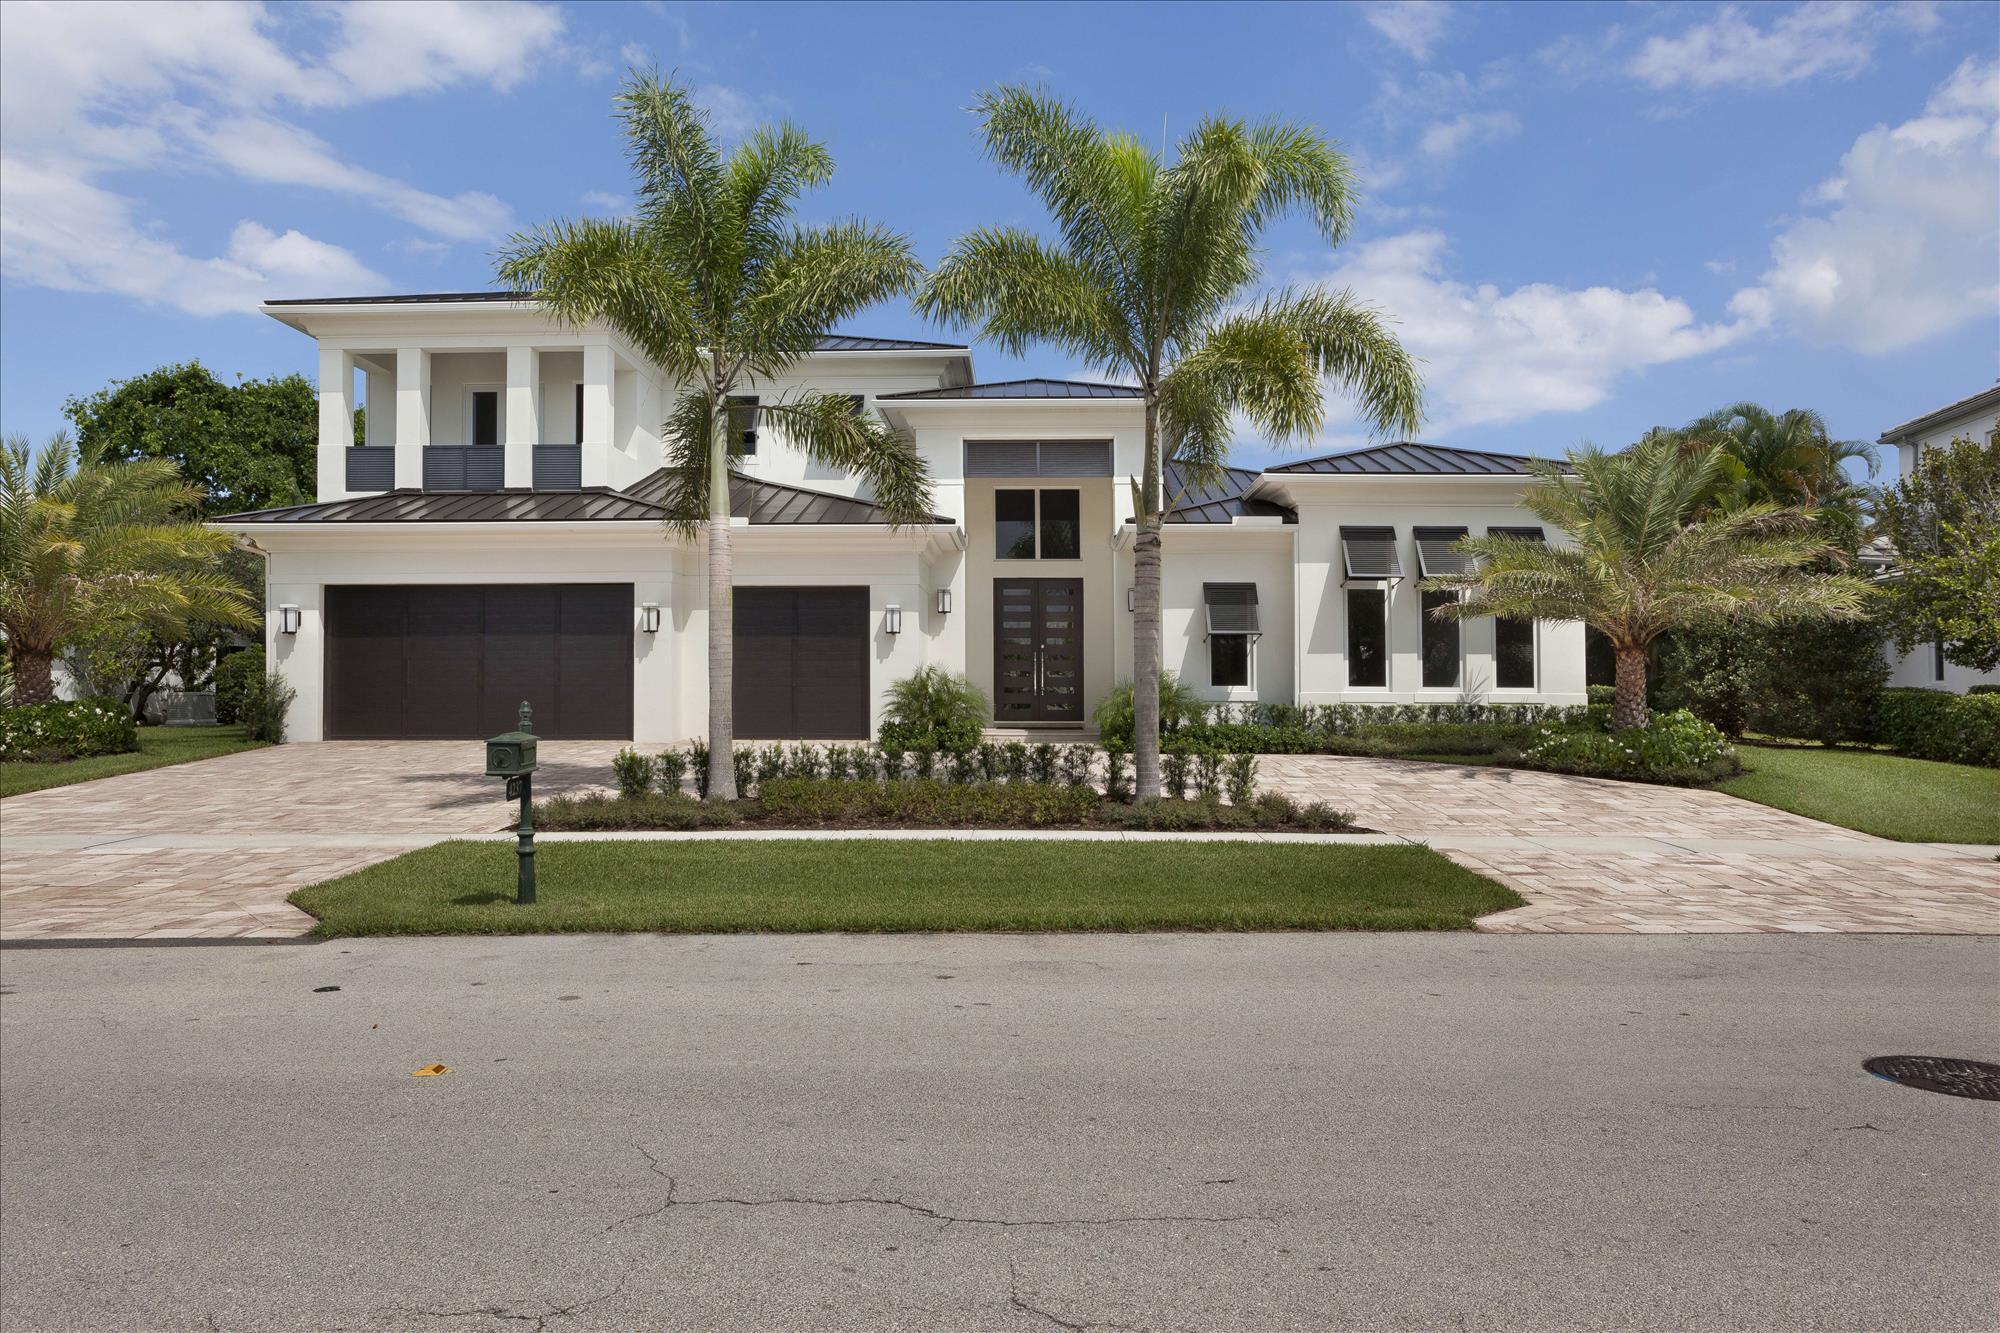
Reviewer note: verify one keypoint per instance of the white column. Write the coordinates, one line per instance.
(595, 428)
(336, 420)
(413, 415)
(523, 414)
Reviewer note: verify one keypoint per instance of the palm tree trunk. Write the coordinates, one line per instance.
(1146, 620)
(34, 679)
(721, 632)
(1628, 707)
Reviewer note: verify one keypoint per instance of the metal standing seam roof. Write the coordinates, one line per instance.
(1223, 502)
(1034, 388)
(1919, 425)
(1410, 459)
(775, 504)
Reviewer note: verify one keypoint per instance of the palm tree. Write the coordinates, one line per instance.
(1648, 554)
(1784, 458)
(83, 541)
(1145, 283)
(714, 281)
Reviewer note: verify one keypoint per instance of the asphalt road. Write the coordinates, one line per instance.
(1009, 1133)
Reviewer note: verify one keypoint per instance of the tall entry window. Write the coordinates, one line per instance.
(1037, 524)
(484, 427)
(1367, 636)
(1440, 643)
(1514, 653)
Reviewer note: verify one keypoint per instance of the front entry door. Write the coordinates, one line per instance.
(1038, 650)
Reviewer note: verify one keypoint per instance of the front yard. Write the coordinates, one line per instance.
(158, 747)
(1909, 800)
(873, 885)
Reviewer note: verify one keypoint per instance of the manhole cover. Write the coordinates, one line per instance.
(1936, 1073)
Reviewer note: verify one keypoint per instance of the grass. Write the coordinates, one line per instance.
(736, 885)
(1909, 800)
(158, 747)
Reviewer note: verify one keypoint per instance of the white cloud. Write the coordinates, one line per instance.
(90, 91)
(635, 56)
(1447, 138)
(601, 201)
(734, 114)
(1911, 248)
(1414, 26)
(1494, 356)
(1826, 37)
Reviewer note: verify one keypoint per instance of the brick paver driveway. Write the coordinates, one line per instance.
(211, 849)
(1601, 856)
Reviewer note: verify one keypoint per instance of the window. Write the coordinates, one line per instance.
(855, 403)
(1228, 659)
(1367, 636)
(485, 423)
(579, 414)
(1037, 525)
(1937, 659)
(1600, 662)
(1514, 653)
(1439, 643)
(742, 410)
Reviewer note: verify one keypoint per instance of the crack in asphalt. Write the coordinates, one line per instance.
(1015, 1301)
(673, 1200)
(539, 1320)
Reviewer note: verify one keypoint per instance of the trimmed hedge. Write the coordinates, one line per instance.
(1677, 748)
(926, 801)
(237, 677)
(67, 729)
(1932, 724)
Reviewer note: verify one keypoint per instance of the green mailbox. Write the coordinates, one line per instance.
(511, 755)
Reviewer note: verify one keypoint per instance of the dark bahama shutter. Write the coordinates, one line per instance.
(1370, 553)
(1231, 607)
(1436, 553)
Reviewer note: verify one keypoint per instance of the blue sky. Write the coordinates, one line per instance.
(1588, 219)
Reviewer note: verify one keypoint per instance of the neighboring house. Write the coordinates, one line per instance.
(497, 537)
(1977, 418)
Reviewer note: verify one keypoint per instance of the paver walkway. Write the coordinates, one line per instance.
(1593, 855)
(211, 849)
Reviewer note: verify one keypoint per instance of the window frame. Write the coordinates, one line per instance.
(472, 392)
(1249, 642)
(746, 443)
(1383, 589)
(1036, 526)
(1426, 626)
(1534, 653)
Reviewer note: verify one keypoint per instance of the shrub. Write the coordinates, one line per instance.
(1076, 765)
(648, 810)
(669, 770)
(698, 761)
(1241, 776)
(235, 675)
(1823, 681)
(263, 708)
(1179, 706)
(1268, 811)
(1931, 724)
(1678, 748)
(1983, 689)
(1117, 775)
(1041, 762)
(1208, 774)
(934, 709)
(927, 801)
(633, 772)
(1175, 768)
(744, 758)
(67, 729)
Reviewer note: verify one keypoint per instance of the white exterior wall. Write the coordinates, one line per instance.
(1325, 504)
(1258, 551)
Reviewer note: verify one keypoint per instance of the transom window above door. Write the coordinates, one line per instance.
(1037, 524)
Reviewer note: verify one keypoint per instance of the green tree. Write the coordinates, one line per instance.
(1781, 458)
(1944, 522)
(1147, 281)
(714, 280)
(86, 543)
(1648, 554)
(250, 445)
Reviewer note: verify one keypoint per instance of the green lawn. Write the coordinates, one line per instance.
(732, 885)
(1910, 800)
(158, 747)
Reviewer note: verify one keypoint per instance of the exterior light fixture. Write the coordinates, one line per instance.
(288, 619)
(1131, 599)
(649, 617)
(944, 601)
(892, 620)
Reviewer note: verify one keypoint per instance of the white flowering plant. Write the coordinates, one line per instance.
(67, 729)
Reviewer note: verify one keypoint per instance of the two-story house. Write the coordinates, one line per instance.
(496, 535)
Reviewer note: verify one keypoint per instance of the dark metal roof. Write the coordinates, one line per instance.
(770, 503)
(1410, 459)
(593, 504)
(1921, 425)
(1222, 502)
(848, 342)
(1037, 388)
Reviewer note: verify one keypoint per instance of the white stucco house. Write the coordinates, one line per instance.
(1976, 418)
(496, 536)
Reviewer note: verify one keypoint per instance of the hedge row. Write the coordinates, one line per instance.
(67, 729)
(1931, 724)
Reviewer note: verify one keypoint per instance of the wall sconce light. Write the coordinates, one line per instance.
(944, 601)
(892, 620)
(1131, 599)
(288, 619)
(649, 617)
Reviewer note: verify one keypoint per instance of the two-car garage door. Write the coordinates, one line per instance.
(455, 661)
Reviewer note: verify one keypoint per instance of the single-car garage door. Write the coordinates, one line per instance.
(801, 663)
(455, 662)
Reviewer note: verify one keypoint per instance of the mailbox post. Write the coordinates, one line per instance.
(511, 755)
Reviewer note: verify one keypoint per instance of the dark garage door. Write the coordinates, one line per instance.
(455, 662)
(801, 663)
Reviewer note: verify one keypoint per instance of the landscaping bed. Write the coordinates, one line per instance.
(158, 747)
(875, 885)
